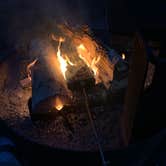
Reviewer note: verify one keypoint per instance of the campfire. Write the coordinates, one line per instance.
(67, 90)
(71, 83)
(65, 65)
(68, 72)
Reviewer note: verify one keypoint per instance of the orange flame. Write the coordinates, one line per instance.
(91, 63)
(63, 61)
(29, 68)
(81, 51)
(58, 103)
(89, 52)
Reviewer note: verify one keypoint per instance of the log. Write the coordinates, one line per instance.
(48, 83)
(83, 78)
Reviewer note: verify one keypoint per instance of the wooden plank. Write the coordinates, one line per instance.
(135, 86)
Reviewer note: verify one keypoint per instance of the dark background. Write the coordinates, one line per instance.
(19, 17)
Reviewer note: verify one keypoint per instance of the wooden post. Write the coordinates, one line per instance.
(135, 86)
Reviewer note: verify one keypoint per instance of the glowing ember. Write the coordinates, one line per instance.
(58, 104)
(123, 56)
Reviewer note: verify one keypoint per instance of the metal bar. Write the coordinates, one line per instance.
(104, 162)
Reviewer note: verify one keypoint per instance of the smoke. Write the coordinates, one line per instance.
(28, 19)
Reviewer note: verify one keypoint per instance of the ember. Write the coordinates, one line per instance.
(58, 104)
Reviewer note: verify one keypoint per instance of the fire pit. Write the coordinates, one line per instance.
(65, 90)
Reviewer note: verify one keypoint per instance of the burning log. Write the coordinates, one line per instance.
(93, 55)
(86, 66)
(83, 78)
(49, 90)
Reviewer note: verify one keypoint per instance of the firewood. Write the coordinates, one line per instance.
(82, 79)
(47, 80)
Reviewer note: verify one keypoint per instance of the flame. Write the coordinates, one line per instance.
(84, 54)
(82, 50)
(95, 69)
(123, 56)
(82, 47)
(68, 61)
(89, 53)
(93, 65)
(58, 103)
(63, 60)
(29, 68)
